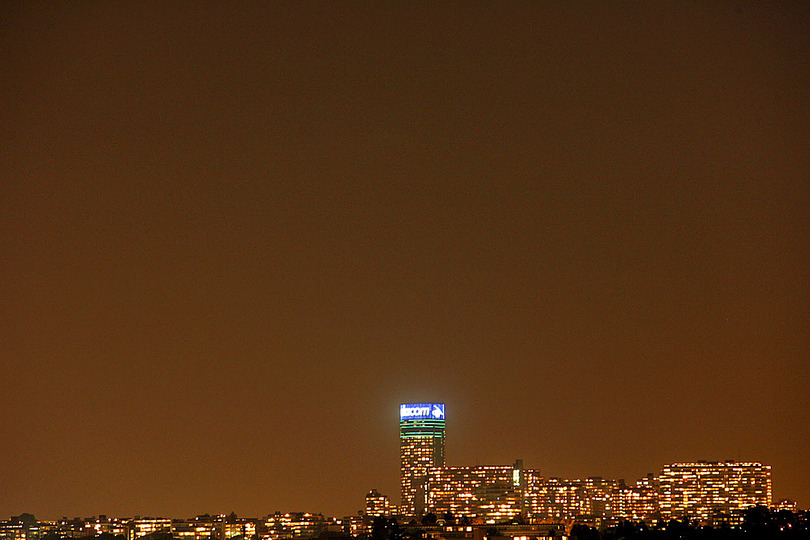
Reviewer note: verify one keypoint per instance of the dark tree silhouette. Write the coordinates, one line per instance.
(581, 531)
(379, 528)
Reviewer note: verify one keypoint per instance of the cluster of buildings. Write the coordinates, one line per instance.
(705, 492)
(460, 502)
(277, 526)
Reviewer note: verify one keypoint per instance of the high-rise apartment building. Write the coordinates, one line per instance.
(376, 504)
(492, 492)
(552, 499)
(421, 445)
(637, 502)
(596, 497)
(713, 492)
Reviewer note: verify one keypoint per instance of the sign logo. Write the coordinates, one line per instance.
(416, 411)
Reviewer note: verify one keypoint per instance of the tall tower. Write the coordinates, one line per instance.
(421, 446)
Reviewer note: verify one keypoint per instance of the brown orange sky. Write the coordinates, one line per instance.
(235, 236)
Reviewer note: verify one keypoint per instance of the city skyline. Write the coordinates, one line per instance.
(423, 474)
(235, 238)
(685, 486)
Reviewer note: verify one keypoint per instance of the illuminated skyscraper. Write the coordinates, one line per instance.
(421, 446)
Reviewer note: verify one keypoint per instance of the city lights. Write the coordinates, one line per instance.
(469, 502)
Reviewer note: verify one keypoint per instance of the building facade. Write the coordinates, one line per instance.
(637, 502)
(139, 527)
(377, 504)
(713, 493)
(552, 499)
(421, 444)
(280, 526)
(491, 493)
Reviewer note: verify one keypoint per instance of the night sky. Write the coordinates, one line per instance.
(236, 236)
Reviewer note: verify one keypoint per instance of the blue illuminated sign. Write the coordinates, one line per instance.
(417, 411)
